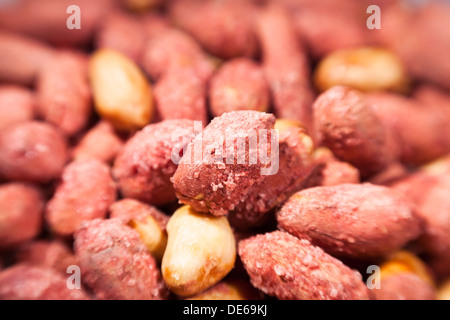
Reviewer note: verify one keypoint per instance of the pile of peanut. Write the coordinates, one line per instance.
(101, 127)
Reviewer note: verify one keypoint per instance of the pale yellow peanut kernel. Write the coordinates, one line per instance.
(200, 251)
(404, 261)
(283, 124)
(122, 94)
(151, 235)
(365, 69)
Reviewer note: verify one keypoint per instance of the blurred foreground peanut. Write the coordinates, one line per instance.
(200, 251)
(121, 92)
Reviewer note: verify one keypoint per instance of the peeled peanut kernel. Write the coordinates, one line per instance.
(151, 235)
(404, 261)
(122, 94)
(200, 251)
(365, 69)
(229, 290)
(444, 291)
(283, 124)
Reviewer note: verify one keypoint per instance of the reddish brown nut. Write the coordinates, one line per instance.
(348, 126)
(21, 58)
(141, 5)
(180, 94)
(64, 96)
(404, 286)
(351, 220)
(429, 193)
(17, 104)
(52, 254)
(21, 213)
(419, 128)
(238, 85)
(224, 28)
(32, 151)
(288, 268)
(25, 282)
(129, 209)
(327, 27)
(124, 33)
(285, 66)
(428, 23)
(144, 166)
(444, 291)
(50, 20)
(85, 193)
(295, 164)
(221, 165)
(115, 264)
(172, 49)
(100, 142)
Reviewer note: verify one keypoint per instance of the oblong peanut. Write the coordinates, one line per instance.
(200, 251)
(114, 262)
(144, 166)
(288, 268)
(85, 193)
(32, 151)
(363, 68)
(64, 96)
(348, 126)
(121, 92)
(21, 213)
(234, 289)
(25, 282)
(356, 220)
(404, 286)
(100, 142)
(239, 84)
(17, 104)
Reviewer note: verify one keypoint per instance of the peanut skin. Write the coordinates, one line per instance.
(285, 65)
(219, 188)
(100, 142)
(25, 282)
(53, 254)
(21, 58)
(348, 126)
(21, 213)
(17, 104)
(224, 28)
(239, 85)
(63, 92)
(32, 151)
(404, 286)
(144, 166)
(85, 193)
(283, 266)
(351, 220)
(115, 264)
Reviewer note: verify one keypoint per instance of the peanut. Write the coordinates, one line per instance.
(42, 284)
(288, 268)
(229, 290)
(364, 68)
(194, 261)
(122, 94)
(356, 220)
(24, 102)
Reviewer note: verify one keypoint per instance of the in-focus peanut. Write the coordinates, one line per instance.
(200, 251)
